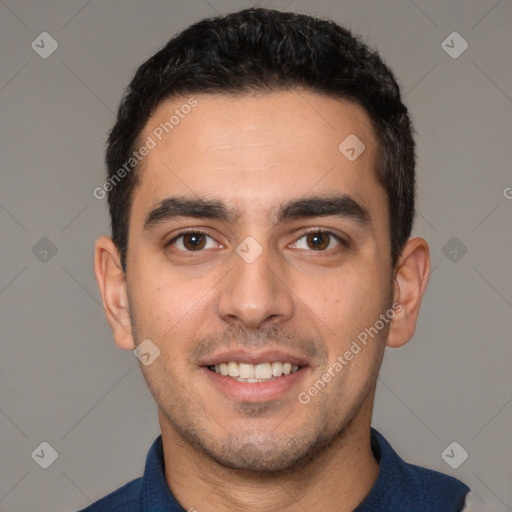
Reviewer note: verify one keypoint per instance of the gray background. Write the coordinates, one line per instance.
(64, 381)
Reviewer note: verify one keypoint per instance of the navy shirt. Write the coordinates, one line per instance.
(400, 487)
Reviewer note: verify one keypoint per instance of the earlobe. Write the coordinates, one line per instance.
(112, 284)
(411, 278)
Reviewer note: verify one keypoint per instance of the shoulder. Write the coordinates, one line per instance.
(401, 486)
(125, 499)
(435, 489)
(149, 492)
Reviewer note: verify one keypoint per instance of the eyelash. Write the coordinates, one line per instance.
(337, 237)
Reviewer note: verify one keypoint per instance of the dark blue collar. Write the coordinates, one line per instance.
(403, 487)
(400, 487)
(155, 495)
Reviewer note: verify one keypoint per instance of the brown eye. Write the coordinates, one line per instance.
(192, 241)
(318, 241)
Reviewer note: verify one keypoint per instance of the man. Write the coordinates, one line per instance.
(261, 190)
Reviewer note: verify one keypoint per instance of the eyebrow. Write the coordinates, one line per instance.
(172, 207)
(339, 205)
(342, 205)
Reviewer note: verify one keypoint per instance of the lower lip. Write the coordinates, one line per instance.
(254, 391)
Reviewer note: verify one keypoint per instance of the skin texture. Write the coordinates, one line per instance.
(254, 152)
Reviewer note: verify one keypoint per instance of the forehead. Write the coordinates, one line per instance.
(256, 151)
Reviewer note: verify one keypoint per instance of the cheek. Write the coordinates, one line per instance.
(171, 313)
(155, 306)
(345, 308)
(347, 297)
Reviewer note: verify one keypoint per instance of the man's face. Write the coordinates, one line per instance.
(264, 283)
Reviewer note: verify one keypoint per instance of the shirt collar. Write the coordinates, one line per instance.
(157, 496)
(155, 492)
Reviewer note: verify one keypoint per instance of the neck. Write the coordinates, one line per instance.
(339, 479)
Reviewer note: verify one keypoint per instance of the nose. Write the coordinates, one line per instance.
(255, 292)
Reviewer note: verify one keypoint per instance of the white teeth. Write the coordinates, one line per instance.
(246, 370)
(262, 372)
(277, 369)
(233, 369)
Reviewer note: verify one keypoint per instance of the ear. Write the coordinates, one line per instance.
(112, 283)
(411, 278)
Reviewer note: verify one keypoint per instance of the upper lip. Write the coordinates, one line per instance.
(247, 357)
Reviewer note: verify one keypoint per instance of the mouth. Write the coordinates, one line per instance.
(246, 372)
(242, 376)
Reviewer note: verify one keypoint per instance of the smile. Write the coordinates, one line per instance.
(263, 372)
